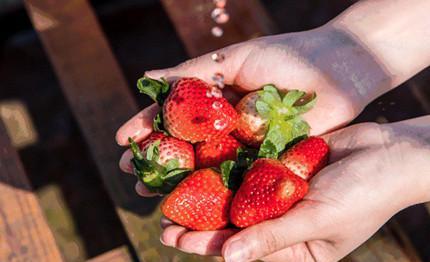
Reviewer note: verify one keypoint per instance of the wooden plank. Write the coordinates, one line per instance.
(24, 233)
(119, 254)
(100, 100)
(193, 22)
(384, 246)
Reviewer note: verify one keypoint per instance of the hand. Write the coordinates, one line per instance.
(324, 61)
(375, 171)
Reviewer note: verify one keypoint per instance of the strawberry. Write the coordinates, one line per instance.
(307, 157)
(199, 202)
(162, 161)
(213, 152)
(268, 190)
(272, 119)
(192, 109)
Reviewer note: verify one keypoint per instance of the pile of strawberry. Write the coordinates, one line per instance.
(221, 164)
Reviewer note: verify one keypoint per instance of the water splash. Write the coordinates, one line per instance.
(217, 57)
(216, 105)
(220, 15)
(219, 124)
(218, 78)
(220, 3)
(217, 31)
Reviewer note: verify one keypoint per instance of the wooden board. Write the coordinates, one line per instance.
(193, 22)
(119, 254)
(100, 100)
(24, 233)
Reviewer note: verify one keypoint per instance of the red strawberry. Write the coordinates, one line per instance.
(307, 157)
(213, 152)
(192, 109)
(272, 119)
(199, 202)
(268, 190)
(162, 161)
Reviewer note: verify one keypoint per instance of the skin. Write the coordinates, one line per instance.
(375, 170)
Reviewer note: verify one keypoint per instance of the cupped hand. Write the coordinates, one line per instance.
(324, 60)
(373, 169)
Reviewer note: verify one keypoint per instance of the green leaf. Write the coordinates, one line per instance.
(135, 149)
(271, 88)
(152, 152)
(152, 180)
(156, 89)
(172, 164)
(246, 156)
(157, 123)
(292, 97)
(263, 108)
(226, 171)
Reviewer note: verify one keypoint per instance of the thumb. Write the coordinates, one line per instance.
(258, 241)
(205, 66)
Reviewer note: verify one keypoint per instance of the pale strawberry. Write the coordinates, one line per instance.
(270, 119)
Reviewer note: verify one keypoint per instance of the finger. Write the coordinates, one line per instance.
(143, 191)
(207, 243)
(171, 234)
(165, 222)
(268, 237)
(125, 162)
(352, 139)
(138, 127)
(204, 67)
(297, 252)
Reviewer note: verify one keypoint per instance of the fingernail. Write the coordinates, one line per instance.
(162, 241)
(236, 252)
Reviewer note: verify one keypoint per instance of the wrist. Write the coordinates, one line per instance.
(409, 143)
(352, 66)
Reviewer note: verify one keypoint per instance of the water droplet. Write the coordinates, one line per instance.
(216, 92)
(219, 124)
(216, 105)
(220, 16)
(220, 3)
(218, 78)
(218, 57)
(209, 93)
(392, 103)
(217, 31)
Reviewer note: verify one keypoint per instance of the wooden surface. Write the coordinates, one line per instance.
(100, 101)
(116, 255)
(24, 234)
(193, 22)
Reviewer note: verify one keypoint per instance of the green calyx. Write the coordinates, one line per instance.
(157, 90)
(232, 171)
(283, 112)
(157, 178)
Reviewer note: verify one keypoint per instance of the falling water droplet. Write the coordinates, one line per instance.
(217, 31)
(220, 16)
(219, 124)
(216, 105)
(220, 3)
(218, 78)
(218, 57)
(216, 92)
